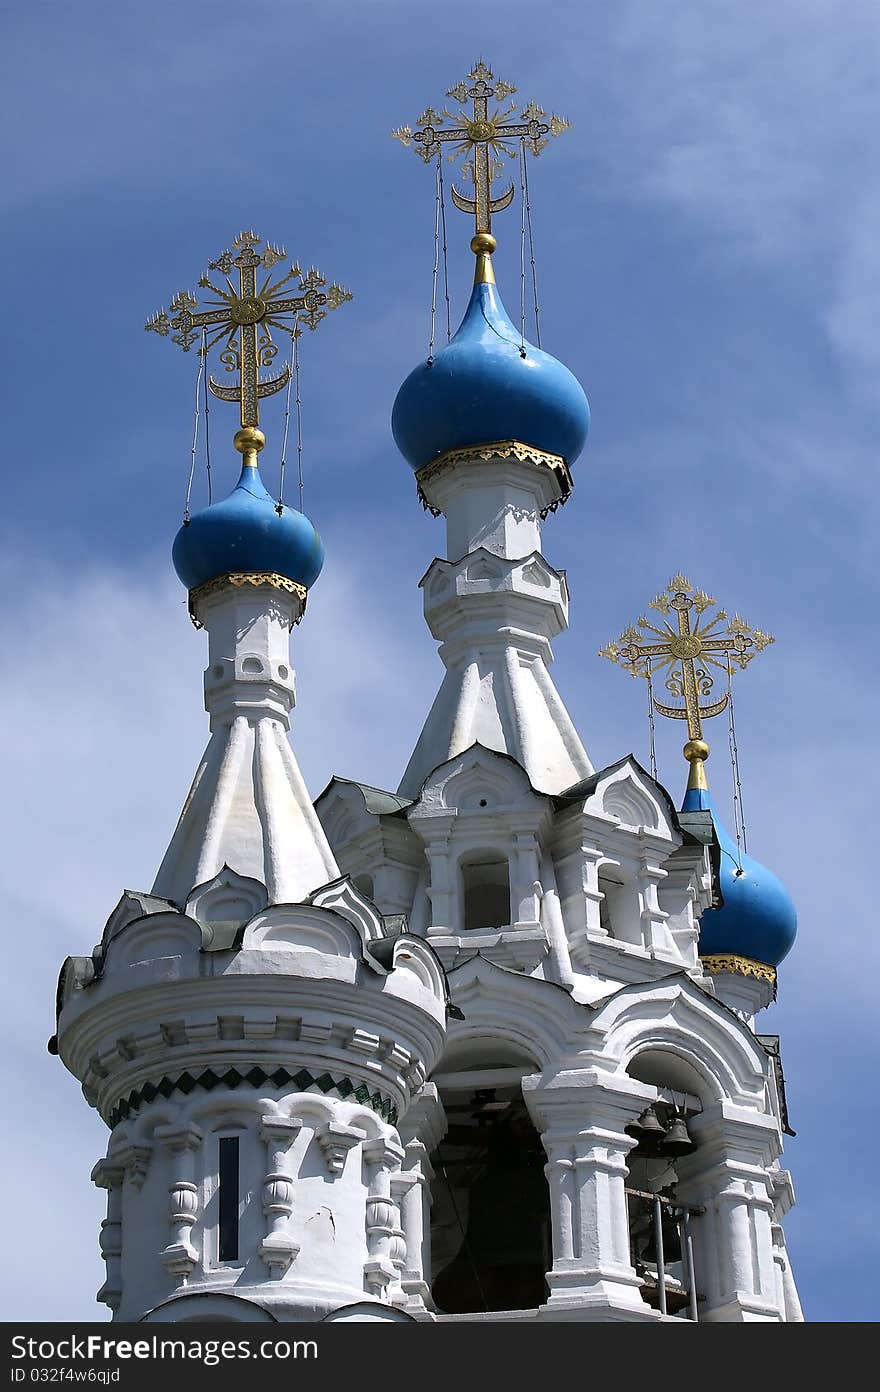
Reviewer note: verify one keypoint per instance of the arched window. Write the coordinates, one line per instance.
(485, 889)
(490, 1207)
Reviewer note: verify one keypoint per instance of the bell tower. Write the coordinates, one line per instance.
(484, 1047)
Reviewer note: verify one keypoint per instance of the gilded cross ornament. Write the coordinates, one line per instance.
(686, 643)
(244, 315)
(481, 136)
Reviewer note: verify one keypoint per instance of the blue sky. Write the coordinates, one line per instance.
(709, 268)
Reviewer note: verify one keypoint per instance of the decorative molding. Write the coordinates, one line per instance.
(302, 1080)
(336, 1141)
(499, 449)
(247, 577)
(136, 1159)
(715, 962)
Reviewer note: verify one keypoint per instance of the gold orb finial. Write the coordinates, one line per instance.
(482, 245)
(483, 241)
(696, 751)
(249, 440)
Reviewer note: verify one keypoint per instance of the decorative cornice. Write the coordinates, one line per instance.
(302, 1080)
(715, 962)
(247, 577)
(499, 449)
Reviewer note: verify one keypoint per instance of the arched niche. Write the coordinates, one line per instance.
(490, 1207)
(484, 877)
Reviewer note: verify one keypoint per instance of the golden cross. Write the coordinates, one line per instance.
(479, 134)
(249, 311)
(687, 651)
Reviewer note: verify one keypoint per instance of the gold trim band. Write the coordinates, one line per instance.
(247, 577)
(728, 961)
(499, 449)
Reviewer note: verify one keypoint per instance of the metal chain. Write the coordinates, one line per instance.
(436, 261)
(528, 204)
(651, 731)
(299, 425)
(195, 440)
(207, 422)
(522, 250)
(445, 266)
(280, 508)
(738, 815)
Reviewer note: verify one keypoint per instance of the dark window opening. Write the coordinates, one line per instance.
(490, 1215)
(228, 1199)
(486, 891)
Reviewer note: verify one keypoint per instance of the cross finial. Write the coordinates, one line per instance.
(249, 312)
(687, 650)
(481, 137)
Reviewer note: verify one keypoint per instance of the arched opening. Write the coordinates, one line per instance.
(490, 1207)
(364, 883)
(619, 906)
(661, 1250)
(485, 890)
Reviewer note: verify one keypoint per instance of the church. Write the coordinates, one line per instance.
(483, 1045)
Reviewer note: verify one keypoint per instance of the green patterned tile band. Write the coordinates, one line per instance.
(302, 1080)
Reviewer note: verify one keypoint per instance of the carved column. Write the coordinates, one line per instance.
(421, 1131)
(581, 1120)
(728, 1177)
(382, 1156)
(278, 1248)
(401, 1184)
(524, 906)
(181, 1143)
(441, 885)
(109, 1174)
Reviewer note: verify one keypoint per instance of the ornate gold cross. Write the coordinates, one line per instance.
(481, 136)
(687, 651)
(249, 311)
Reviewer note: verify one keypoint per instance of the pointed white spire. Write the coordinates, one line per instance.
(248, 806)
(495, 605)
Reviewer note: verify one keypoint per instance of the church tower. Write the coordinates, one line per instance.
(483, 1047)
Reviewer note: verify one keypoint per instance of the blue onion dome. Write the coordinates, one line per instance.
(757, 918)
(245, 532)
(482, 388)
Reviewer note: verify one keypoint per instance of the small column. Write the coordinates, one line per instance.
(401, 1184)
(181, 1142)
(109, 1174)
(728, 1177)
(278, 1248)
(382, 1156)
(441, 888)
(582, 1131)
(421, 1131)
(525, 906)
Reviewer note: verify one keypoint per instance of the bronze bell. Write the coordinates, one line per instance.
(647, 1129)
(677, 1141)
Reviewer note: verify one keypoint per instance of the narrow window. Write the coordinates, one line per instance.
(228, 1198)
(486, 886)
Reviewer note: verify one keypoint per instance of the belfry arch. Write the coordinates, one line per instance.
(490, 1210)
